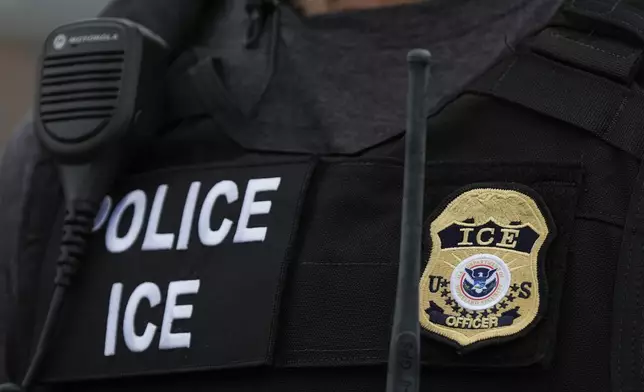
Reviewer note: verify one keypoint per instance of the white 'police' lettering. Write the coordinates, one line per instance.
(152, 293)
(222, 192)
(188, 215)
(153, 239)
(208, 236)
(113, 242)
(252, 207)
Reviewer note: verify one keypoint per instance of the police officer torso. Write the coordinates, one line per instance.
(212, 267)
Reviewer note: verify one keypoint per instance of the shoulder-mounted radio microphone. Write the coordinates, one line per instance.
(98, 101)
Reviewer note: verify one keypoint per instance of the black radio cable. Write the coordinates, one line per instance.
(77, 227)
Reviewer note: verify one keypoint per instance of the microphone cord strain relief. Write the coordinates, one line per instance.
(77, 228)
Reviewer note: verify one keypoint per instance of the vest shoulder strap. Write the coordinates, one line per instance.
(572, 72)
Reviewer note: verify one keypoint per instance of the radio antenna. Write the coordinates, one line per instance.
(404, 352)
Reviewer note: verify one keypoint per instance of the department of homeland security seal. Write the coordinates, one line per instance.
(485, 278)
(480, 281)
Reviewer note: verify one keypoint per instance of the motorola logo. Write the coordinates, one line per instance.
(104, 37)
(60, 41)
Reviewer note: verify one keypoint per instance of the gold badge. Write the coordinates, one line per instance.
(485, 278)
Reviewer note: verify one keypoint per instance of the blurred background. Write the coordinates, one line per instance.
(24, 24)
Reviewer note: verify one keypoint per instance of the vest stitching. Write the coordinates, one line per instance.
(631, 54)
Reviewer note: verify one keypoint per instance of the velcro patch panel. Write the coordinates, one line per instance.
(185, 272)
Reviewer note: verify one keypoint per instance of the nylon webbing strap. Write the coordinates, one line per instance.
(607, 109)
(609, 12)
(593, 53)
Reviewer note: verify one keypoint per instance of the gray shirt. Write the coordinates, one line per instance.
(340, 81)
(338, 86)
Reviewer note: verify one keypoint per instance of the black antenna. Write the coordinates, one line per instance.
(404, 352)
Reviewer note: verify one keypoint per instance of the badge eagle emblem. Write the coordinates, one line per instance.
(485, 276)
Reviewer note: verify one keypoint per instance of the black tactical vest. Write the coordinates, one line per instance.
(217, 268)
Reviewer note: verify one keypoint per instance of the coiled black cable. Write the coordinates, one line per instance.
(77, 228)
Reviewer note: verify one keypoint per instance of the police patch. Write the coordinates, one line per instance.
(485, 280)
